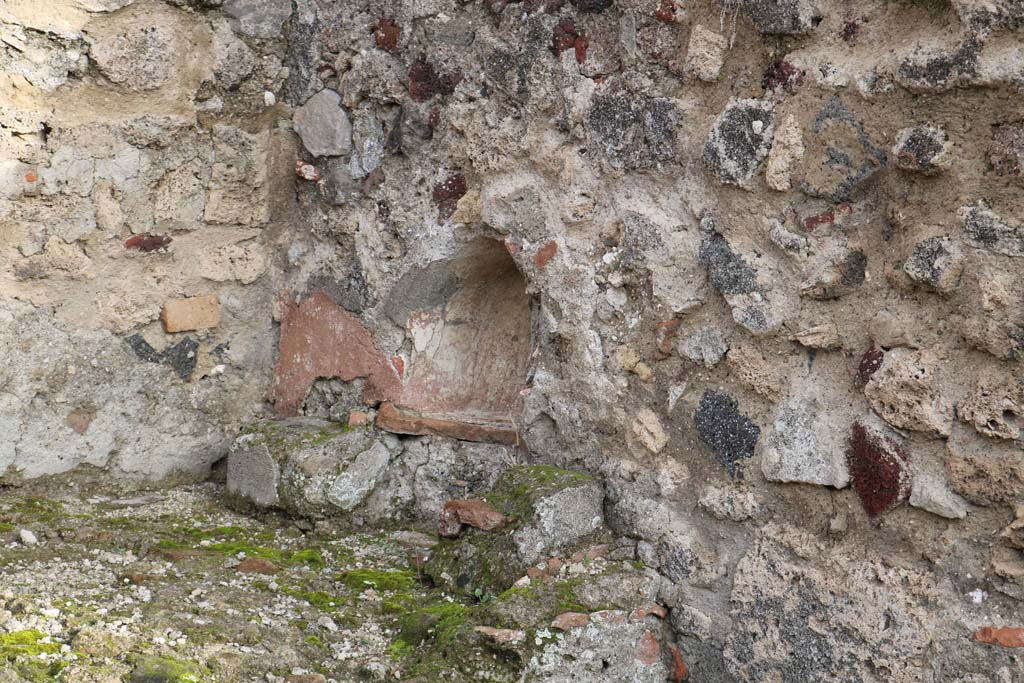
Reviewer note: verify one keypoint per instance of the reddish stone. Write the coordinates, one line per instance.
(869, 363)
(358, 418)
(447, 193)
(678, 670)
(545, 254)
(580, 48)
(1005, 636)
(321, 339)
(534, 572)
(876, 465)
(569, 620)
(425, 82)
(147, 242)
(472, 512)
(596, 551)
(398, 363)
(666, 11)
(501, 636)
(553, 565)
(652, 609)
(564, 35)
(256, 565)
(833, 215)
(665, 337)
(80, 419)
(782, 74)
(31, 177)
(386, 34)
(647, 650)
(405, 421)
(138, 579)
(306, 171)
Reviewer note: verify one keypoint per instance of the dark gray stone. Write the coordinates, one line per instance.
(633, 131)
(740, 141)
(729, 435)
(786, 17)
(986, 230)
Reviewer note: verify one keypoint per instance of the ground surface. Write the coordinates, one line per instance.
(152, 588)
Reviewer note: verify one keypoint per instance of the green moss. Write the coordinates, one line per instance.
(361, 579)
(6, 528)
(309, 557)
(315, 642)
(166, 670)
(280, 435)
(27, 642)
(399, 650)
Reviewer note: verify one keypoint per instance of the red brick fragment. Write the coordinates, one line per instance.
(545, 254)
(321, 339)
(256, 565)
(1006, 636)
(405, 421)
(580, 46)
(564, 35)
(647, 650)
(832, 215)
(447, 193)
(31, 177)
(678, 671)
(869, 363)
(386, 34)
(472, 512)
(666, 11)
(425, 82)
(877, 468)
(147, 243)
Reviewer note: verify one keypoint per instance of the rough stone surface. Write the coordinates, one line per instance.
(923, 149)
(904, 392)
(193, 313)
(740, 141)
(705, 53)
(323, 125)
(936, 262)
(728, 434)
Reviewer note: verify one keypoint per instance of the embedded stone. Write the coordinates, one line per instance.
(323, 125)
(904, 392)
(878, 469)
(705, 53)
(259, 18)
(706, 346)
(923, 149)
(1006, 151)
(1005, 636)
(139, 57)
(785, 155)
(648, 430)
(472, 512)
(931, 493)
(783, 17)
(193, 313)
(729, 435)
(740, 141)
(995, 405)
(937, 263)
(633, 131)
(804, 445)
(930, 69)
(986, 230)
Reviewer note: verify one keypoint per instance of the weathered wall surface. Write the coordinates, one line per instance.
(774, 248)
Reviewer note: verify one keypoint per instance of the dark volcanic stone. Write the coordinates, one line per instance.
(935, 262)
(739, 141)
(182, 357)
(591, 5)
(986, 230)
(729, 273)
(633, 131)
(730, 436)
(923, 149)
(791, 17)
(943, 71)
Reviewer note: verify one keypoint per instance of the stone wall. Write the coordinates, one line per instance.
(773, 251)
